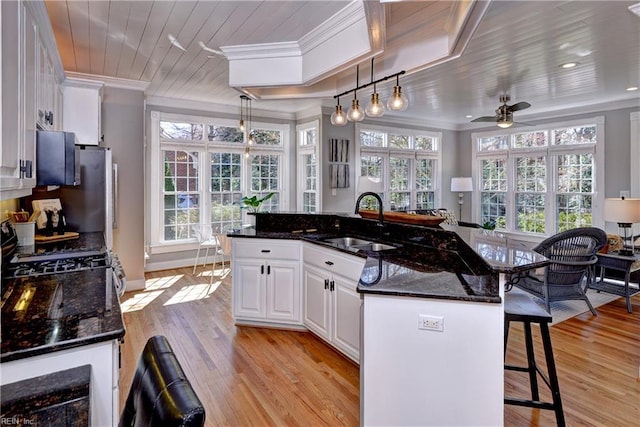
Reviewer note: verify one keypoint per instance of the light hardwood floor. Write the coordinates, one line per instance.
(263, 377)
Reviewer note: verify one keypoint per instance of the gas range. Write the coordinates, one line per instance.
(84, 254)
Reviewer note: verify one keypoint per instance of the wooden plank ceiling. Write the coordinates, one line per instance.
(517, 48)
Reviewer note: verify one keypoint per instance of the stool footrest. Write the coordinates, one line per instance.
(529, 403)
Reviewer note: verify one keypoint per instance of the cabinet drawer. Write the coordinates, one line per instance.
(266, 249)
(349, 266)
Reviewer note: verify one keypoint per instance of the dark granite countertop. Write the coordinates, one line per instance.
(28, 400)
(89, 242)
(55, 312)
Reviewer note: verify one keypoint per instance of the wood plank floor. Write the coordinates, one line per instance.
(262, 377)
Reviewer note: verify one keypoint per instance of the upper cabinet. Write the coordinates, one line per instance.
(28, 48)
(82, 106)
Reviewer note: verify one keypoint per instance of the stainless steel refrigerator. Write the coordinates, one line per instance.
(91, 206)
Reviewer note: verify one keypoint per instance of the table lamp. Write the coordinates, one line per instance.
(625, 212)
(461, 185)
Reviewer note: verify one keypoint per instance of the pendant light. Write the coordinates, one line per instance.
(374, 108)
(243, 98)
(355, 113)
(250, 140)
(398, 101)
(338, 118)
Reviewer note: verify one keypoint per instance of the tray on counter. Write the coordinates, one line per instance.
(68, 235)
(403, 217)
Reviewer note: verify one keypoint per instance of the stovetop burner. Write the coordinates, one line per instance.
(50, 264)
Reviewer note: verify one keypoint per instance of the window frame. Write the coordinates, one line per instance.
(304, 150)
(411, 153)
(551, 153)
(157, 243)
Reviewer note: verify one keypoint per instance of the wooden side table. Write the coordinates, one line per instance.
(625, 264)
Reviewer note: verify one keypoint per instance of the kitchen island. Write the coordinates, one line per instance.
(56, 322)
(431, 321)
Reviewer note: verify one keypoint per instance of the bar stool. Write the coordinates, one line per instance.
(520, 308)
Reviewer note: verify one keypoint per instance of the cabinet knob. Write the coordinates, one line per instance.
(326, 283)
(265, 251)
(329, 262)
(332, 285)
(262, 269)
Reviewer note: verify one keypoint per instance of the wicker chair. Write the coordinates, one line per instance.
(572, 254)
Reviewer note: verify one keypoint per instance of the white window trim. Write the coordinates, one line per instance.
(551, 151)
(157, 244)
(304, 150)
(387, 152)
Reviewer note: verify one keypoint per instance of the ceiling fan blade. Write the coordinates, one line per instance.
(520, 106)
(492, 119)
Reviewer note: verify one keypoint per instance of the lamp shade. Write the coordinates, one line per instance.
(461, 184)
(623, 211)
(369, 184)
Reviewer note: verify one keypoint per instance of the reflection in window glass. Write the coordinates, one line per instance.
(426, 143)
(530, 216)
(225, 189)
(493, 143)
(399, 141)
(308, 136)
(575, 135)
(181, 197)
(181, 131)
(267, 137)
(530, 139)
(371, 138)
(225, 134)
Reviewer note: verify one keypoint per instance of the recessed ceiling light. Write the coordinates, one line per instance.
(632, 88)
(569, 65)
(468, 116)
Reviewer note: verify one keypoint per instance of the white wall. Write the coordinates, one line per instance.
(123, 129)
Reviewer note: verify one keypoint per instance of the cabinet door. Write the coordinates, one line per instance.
(317, 301)
(283, 291)
(29, 106)
(346, 316)
(10, 141)
(249, 289)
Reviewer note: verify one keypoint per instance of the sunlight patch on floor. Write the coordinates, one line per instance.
(162, 282)
(193, 293)
(139, 301)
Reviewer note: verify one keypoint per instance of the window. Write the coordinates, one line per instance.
(543, 180)
(406, 160)
(199, 173)
(308, 149)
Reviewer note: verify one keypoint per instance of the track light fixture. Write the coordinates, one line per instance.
(375, 108)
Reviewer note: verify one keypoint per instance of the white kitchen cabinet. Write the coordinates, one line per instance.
(266, 282)
(19, 35)
(331, 301)
(82, 110)
(104, 360)
(47, 91)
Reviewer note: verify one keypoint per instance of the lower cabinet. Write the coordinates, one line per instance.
(331, 301)
(266, 282)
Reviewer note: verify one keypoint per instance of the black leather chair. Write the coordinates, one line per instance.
(161, 394)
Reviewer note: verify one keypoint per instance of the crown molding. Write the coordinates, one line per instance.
(110, 81)
(262, 51)
(210, 107)
(333, 27)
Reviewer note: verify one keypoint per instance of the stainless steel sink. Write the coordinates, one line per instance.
(348, 241)
(373, 247)
(354, 243)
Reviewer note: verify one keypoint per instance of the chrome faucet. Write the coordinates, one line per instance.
(380, 213)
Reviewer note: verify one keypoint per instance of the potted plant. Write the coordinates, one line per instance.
(253, 204)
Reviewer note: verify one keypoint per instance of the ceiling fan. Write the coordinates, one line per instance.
(504, 113)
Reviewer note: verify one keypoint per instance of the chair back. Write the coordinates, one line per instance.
(225, 243)
(202, 232)
(577, 248)
(161, 394)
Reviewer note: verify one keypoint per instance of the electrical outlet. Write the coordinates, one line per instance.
(431, 323)
(624, 193)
